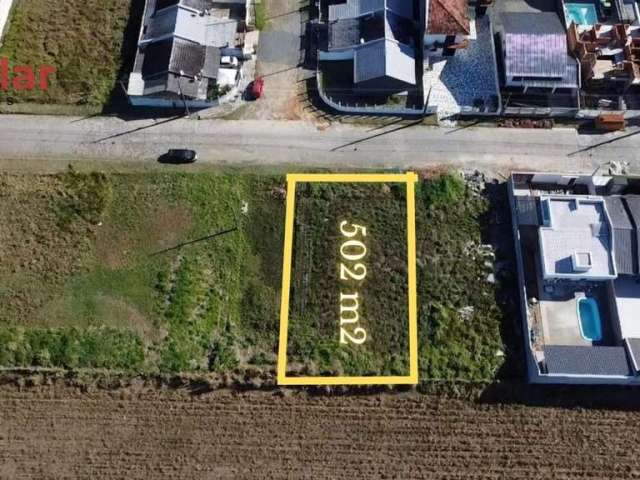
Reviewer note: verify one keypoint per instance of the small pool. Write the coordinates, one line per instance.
(581, 13)
(590, 322)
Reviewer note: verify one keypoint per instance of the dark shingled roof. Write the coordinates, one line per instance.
(581, 360)
(633, 205)
(633, 345)
(624, 236)
(173, 55)
(527, 208)
(448, 17)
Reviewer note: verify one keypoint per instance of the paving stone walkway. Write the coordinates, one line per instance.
(468, 79)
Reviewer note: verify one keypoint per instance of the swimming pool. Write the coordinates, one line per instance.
(590, 322)
(581, 13)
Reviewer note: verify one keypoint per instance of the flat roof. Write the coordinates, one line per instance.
(577, 232)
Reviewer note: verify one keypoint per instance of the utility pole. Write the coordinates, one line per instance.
(184, 100)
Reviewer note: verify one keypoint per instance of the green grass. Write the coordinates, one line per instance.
(459, 316)
(71, 348)
(83, 39)
(261, 14)
(207, 305)
(316, 286)
(91, 276)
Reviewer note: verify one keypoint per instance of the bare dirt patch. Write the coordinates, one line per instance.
(162, 226)
(62, 433)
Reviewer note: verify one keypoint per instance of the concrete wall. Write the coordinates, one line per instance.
(141, 101)
(347, 54)
(5, 9)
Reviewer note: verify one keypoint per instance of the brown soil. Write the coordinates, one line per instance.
(58, 432)
(162, 226)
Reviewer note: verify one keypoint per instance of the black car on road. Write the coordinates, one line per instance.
(179, 156)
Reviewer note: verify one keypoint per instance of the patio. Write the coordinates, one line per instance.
(558, 308)
(467, 80)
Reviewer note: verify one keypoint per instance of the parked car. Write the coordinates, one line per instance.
(229, 61)
(256, 88)
(179, 156)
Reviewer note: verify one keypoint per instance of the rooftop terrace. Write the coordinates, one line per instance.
(575, 239)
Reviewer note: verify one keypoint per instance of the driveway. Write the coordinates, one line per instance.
(280, 52)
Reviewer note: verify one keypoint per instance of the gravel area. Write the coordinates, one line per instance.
(469, 78)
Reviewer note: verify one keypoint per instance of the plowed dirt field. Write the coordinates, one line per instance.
(61, 433)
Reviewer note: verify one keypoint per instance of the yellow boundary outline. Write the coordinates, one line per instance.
(292, 179)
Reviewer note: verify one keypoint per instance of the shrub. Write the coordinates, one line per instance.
(443, 190)
(71, 348)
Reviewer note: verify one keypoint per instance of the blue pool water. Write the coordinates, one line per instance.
(590, 322)
(581, 13)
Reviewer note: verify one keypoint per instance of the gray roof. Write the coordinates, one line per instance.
(162, 23)
(354, 8)
(624, 236)
(381, 40)
(384, 58)
(570, 79)
(358, 8)
(527, 208)
(354, 31)
(585, 360)
(538, 23)
(179, 49)
(634, 352)
(633, 206)
(174, 55)
(346, 33)
(211, 62)
(535, 45)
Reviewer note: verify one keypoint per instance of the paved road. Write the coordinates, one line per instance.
(275, 143)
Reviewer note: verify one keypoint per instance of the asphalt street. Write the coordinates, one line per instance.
(303, 145)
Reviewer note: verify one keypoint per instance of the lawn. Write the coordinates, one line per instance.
(83, 39)
(176, 272)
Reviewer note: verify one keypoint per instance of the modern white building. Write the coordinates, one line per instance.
(577, 241)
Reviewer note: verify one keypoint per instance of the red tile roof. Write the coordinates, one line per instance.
(448, 17)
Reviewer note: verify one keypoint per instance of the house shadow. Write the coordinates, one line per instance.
(118, 103)
(496, 230)
(611, 397)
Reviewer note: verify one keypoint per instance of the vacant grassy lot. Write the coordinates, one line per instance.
(181, 272)
(89, 265)
(382, 291)
(83, 39)
(460, 317)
